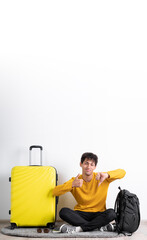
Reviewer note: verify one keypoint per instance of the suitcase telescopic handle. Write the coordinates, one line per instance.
(35, 146)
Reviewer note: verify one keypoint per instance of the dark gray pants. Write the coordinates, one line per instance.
(88, 221)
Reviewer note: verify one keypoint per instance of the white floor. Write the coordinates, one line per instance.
(140, 234)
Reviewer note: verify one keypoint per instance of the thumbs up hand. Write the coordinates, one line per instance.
(77, 182)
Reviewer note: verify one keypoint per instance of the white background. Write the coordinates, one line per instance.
(73, 79)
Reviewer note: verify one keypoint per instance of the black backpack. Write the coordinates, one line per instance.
(128, 212)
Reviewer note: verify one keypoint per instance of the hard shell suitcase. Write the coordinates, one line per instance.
(32, 202)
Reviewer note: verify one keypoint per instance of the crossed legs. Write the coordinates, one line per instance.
(88, 221)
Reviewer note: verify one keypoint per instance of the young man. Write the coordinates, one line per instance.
(90, 191)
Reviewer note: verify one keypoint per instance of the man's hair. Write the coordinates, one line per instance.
(89, 156)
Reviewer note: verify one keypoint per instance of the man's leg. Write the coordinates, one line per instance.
(88, 221)
(99, 219)
(72, 217)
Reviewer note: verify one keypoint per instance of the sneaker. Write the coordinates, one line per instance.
(111, 227)
(56, 229)
(67, 229)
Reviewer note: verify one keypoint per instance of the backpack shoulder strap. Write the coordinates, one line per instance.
(116, 205)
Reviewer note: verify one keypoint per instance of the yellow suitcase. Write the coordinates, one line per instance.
(32, 203)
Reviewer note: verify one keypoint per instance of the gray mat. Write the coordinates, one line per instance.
(32, 233)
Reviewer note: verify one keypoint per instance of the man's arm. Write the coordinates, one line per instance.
(61, 189)
(67, 186)
(110, 176)
(116, 174)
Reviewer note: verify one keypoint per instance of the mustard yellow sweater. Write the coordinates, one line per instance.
(90, 197)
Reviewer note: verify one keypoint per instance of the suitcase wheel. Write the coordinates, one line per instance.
(51, 225)
(13, 225)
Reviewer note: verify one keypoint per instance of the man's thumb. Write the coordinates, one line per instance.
(99, 183)
(78, 176)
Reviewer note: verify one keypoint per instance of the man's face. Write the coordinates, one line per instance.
(88, 166)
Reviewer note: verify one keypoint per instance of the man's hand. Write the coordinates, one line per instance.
(101, 177)
(77, 182)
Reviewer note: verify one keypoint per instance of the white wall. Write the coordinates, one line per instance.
(73, 79)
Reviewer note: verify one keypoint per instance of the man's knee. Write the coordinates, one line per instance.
(63, 212)
(111, 214)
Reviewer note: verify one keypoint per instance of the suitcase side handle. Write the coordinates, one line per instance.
(35, 146)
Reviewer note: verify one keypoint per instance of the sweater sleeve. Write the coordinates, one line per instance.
(116, 174)
(61, 189)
